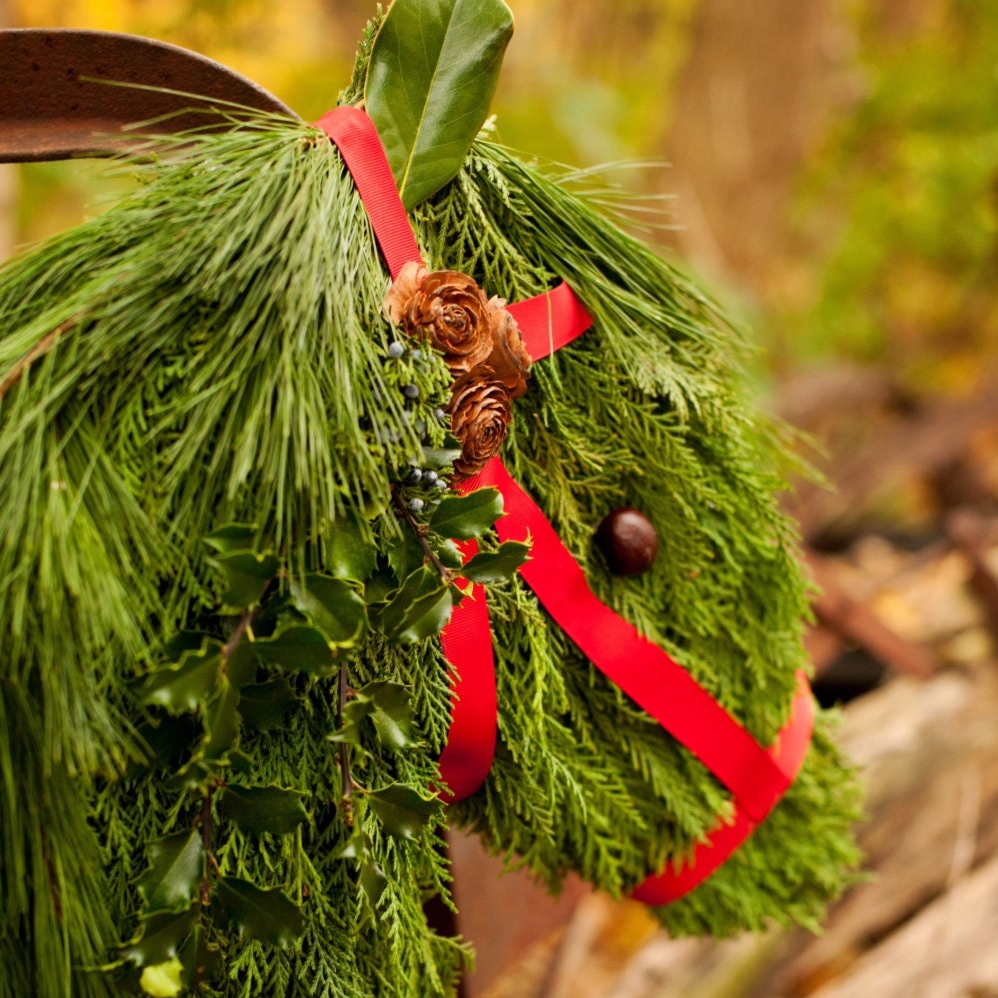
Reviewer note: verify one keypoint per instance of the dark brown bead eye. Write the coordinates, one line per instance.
(628, 541)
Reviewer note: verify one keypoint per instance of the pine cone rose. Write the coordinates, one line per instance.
(403, 290)
(509, 358)
(452, 312)
(480, 413)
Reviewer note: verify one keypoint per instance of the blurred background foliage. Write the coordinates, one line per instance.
(834, 163)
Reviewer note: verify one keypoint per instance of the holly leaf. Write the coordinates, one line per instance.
(333, 606)
(372, 881)
(221, 721)
(241, 665)
(267, 916)
(439, 458)
(449, 554)
(425, 617)
(298, 648)
(492, 566)
(467, 516)
(247, 575)
(433, 71)
(405, 555)
(232, 537)
(176, 869)
(183, 687)
(389, 708)
(263, 705)
(391, 714)
(402, 810)
(159, 938)
(183, 641)
(349, 555)
(263, 809)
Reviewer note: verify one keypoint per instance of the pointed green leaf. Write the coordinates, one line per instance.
(493, 566)
(449, 554)
(467, 516)
(298, 648)
(247, 575)
(263, 809)
(434, 69)
(349, 555)
(372, 881)
(241, 665)
(426, 617)
(267, 916)
(333, 606)
(221, 721)
(405, 555)
(439, 458)
(417, 584)
(391, 714)
(184, 641)
(402, 810)
(232, 537)
(185, 686)
(166, 742)
(264, 705)
(159, 938)
(176, 868)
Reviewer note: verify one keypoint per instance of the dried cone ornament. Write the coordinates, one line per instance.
(482, 347)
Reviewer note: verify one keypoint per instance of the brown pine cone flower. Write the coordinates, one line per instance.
(480, 413)
(451, 311)
(509, 358)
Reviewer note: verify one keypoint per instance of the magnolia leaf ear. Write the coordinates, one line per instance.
(434, 68)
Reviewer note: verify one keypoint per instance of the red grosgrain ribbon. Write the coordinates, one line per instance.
(354, 134)
(649, 676)
(756, 777)
(471, 739)
(788, 753)
(550, 321)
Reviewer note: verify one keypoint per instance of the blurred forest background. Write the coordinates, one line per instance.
(829, 170)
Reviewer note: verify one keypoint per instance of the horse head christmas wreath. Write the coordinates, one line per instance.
(358, 478)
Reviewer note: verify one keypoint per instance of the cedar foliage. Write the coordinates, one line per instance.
(211, 352)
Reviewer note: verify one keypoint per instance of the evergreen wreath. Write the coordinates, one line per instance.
(231, 538)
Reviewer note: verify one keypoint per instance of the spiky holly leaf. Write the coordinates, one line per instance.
(247, 575)
(349, 555)
(433, 71)
(389, 708)
(232, 537)
(267, 916)
(492, 566)
(298, 648)
(333, 606)
(467, 516)
(263, 705)
(159, 938)
(182, 687)
(221, 720)
(175, 871)
(402, 810)
(263, 809)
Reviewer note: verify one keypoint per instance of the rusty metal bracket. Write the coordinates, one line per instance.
(53, 104)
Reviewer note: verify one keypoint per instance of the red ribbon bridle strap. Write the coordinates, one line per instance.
(649, 676)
